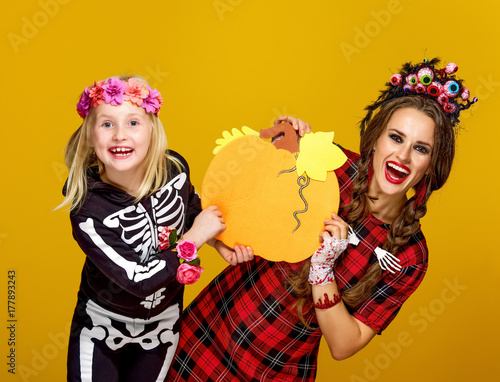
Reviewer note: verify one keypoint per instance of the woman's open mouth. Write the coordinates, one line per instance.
(396, 173)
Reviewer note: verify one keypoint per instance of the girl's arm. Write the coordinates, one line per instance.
(118, 262)
(116, 259)
(344, 334)
(208, 224)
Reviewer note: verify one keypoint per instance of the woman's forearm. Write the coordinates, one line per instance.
(344, 334)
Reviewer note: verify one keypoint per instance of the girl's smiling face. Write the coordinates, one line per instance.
(402, 153)
(120, 137)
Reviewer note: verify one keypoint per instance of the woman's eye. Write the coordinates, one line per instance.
(396, 138)
(422, 149)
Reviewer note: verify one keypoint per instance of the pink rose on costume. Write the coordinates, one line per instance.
(96, 94)
(188, 274)
(136, 92)
(165, 236)
(186, 250)
(114, 91)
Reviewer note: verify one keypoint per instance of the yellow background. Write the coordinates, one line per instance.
(226, 63)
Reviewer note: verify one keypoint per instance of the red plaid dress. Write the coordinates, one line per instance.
(240, 327)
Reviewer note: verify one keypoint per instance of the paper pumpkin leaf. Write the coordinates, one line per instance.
(265, 204)
(228, 137)
(318, 155)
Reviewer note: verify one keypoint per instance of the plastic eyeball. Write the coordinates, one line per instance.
(451, 68)
(408, 88)
(419, 88)
(465, 94)
(412, 79)
(442, 99)
(451, 88)
(425, 76)
(396, 79)
(449, 107)
(434, 89)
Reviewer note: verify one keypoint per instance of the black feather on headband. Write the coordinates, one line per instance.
(425, 80)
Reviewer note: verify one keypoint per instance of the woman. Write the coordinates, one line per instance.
(263, 321)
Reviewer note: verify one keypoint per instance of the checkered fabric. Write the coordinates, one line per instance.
(393, 289)
(240, 327)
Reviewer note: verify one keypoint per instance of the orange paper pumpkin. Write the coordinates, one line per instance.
(266, 204)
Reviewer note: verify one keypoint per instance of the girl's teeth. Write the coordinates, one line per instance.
(120, 150)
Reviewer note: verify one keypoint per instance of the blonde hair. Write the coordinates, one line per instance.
(80, 156)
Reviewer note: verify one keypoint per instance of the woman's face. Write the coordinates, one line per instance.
(402, 153)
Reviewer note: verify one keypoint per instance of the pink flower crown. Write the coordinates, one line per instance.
(114, 91)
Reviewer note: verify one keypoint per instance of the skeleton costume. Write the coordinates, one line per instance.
(127, 319)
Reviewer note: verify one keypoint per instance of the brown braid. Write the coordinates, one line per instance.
(407, 222)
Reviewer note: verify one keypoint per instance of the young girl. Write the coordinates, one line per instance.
(263, 321)
(123, 189)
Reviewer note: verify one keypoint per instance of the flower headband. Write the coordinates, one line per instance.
(114, 91)
(424, 79)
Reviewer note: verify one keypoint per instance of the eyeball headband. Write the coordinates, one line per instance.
(114, 91)
(424, 79)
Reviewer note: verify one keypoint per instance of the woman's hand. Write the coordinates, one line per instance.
(208, 223)
(299, 125)
(238, 254)
(335, 227)
(334, 242)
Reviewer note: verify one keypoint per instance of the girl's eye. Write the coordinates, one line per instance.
(106, 124)
(134, 123)
(396, 138)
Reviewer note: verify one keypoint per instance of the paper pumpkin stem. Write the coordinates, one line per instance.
(285, 171)
(306, 179)
(283, 137)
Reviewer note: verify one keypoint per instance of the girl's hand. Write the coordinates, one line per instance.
(298, 124)
(335, 227)
(238, 254)
(208, 223)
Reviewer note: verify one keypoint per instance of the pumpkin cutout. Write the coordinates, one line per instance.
(266, 202)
